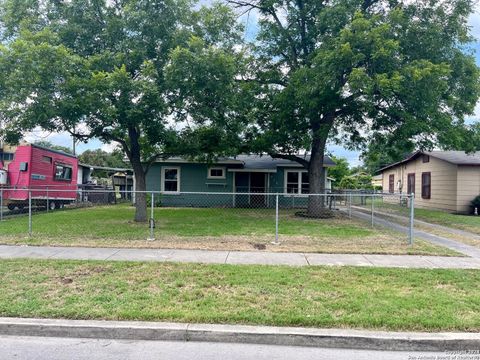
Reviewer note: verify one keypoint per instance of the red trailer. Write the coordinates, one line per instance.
(48, 174)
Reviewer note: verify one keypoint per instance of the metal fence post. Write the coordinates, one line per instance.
(29, 212)
(350, 205)
(152, 221)
(372, 208)
(1, 204)
(412, 217)
(48, 204)
(276, 221)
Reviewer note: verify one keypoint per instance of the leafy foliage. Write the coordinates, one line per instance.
(99, 69)
(356, 71)
(50, 145)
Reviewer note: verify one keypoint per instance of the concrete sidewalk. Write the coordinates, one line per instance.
(458, 246)
(240, 334)
(238, 257)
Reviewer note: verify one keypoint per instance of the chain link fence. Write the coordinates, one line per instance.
(257, 219)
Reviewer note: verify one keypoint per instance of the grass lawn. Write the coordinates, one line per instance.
(209, 228)
(341, 297)
(462, 222)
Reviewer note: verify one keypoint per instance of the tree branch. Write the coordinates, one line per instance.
(302, 161)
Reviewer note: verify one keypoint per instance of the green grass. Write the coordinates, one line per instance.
(462, 222)
(209, 228)
(341, 297)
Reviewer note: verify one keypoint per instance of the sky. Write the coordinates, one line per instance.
(352, 156)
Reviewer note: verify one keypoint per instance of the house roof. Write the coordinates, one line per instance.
(256, 162)
(267, 162)
(453, 157)
(106, 168)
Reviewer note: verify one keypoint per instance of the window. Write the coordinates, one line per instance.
(216, 173)
(6, 156)
(171, 179)
(47, 159)
(391, 183)
(296, 182)
(425, 158)
(426, 185)
(63, 172)
(411, 183)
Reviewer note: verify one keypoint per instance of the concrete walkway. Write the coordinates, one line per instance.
(237, 257)
(460, 247)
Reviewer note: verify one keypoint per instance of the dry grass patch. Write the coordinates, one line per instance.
(213, 229)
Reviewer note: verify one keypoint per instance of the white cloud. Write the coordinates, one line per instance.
(109, 147)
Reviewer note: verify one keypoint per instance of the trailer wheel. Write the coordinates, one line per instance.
(58, 205)
(11, 207)
(52, 205)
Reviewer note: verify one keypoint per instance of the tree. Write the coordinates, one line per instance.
(100, 157)
(385, 151)
(340, 170)
(96, 68)
(352, 70)
(50, 145)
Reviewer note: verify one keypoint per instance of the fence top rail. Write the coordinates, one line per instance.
(171, 193)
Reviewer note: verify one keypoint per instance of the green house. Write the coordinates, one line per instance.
(244, 180)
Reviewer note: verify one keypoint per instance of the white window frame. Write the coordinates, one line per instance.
(299, 185)
(162, 178)
(224, 172)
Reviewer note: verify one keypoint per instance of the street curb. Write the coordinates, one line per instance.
(326, 338)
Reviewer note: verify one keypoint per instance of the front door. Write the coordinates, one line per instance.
(257, 185)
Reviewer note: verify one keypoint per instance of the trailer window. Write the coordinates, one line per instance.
(47, 159)
(63, 173)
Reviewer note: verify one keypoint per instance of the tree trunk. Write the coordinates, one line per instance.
(316, 170)
(139, 173)
(140, 195)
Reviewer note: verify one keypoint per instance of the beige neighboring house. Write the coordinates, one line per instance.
(377, 180)
(443, 180)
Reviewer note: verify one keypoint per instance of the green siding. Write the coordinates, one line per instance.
(194, 178)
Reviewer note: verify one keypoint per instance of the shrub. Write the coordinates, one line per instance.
(157, 199)
(476, 203)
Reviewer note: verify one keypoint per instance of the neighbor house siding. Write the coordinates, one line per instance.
(443, 182)
(468, 179)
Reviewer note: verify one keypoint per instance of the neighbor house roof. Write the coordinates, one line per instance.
(257, 162)
(453, 157)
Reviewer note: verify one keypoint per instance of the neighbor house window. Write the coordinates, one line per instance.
(391, 183)
(63, 172)
(411, 183)
(171, 179)
(296, 182)
(426, 185)
(425, 158)
(216, 173)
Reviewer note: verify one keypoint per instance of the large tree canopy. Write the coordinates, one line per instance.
(98, 68)
(355, 70)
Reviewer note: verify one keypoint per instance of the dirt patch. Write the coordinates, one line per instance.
(259, 246)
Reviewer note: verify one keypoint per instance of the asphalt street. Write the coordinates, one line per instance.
(40, 348)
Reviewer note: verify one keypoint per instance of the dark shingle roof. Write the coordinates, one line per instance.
(457, 157)
(258, 161)
(267, 162)
(453, 157)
